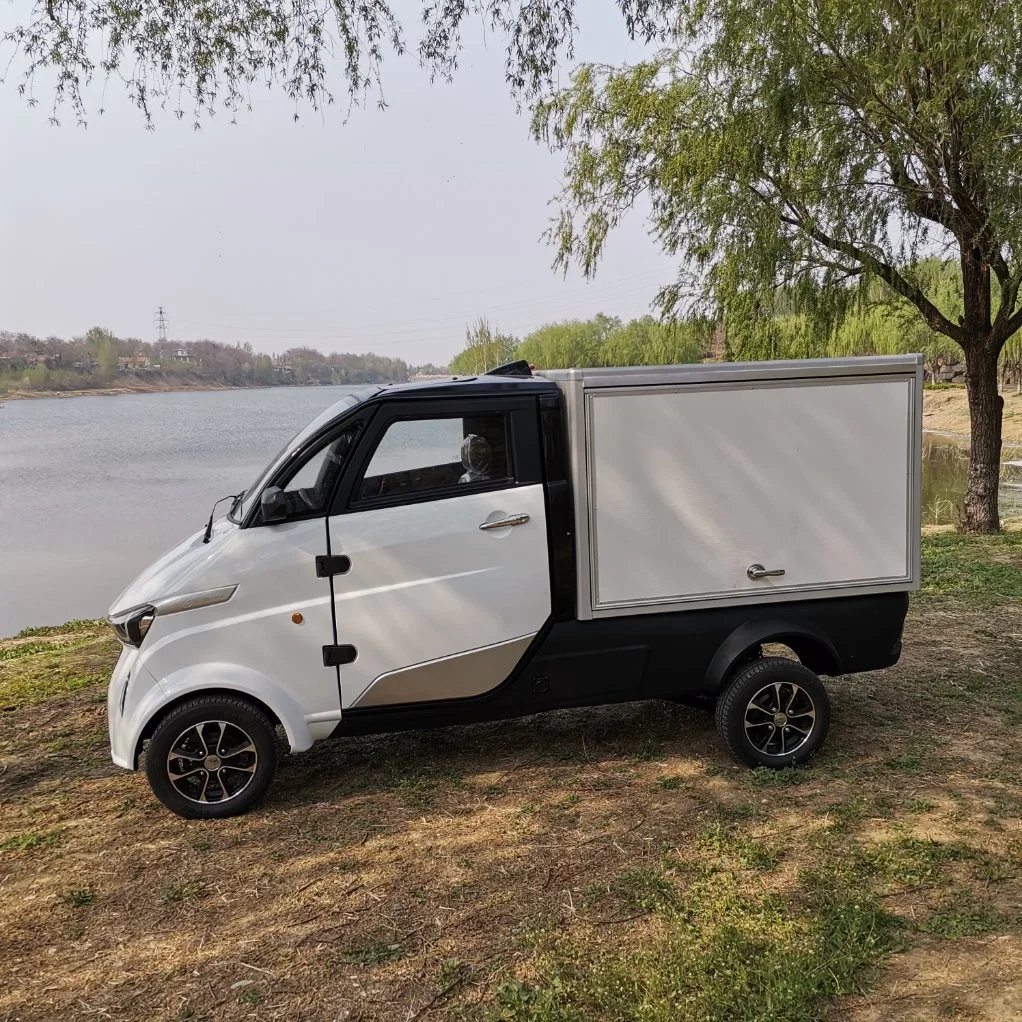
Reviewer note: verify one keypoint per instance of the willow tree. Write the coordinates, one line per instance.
(816, 146)
(485, 349)
(809, 145)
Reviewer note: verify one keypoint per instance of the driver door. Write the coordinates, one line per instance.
(441, 529)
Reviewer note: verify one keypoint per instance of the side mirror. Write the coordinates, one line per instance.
(273, 504)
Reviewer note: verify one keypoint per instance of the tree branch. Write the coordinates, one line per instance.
(1012, 324)
(801, 221)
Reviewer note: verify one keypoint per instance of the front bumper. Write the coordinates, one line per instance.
(131, 687)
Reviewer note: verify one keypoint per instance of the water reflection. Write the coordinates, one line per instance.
(945, 470)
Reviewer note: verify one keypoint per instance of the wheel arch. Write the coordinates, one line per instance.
(224, 680)
(810, 645)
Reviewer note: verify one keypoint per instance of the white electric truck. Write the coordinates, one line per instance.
(475, 549)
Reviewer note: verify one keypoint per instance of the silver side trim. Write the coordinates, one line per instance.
(193, 601)
(453, 677)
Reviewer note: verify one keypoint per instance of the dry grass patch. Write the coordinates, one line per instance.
(598, 864)
(946, 410)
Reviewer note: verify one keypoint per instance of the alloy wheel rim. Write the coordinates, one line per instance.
(780, 718)
(212, 762)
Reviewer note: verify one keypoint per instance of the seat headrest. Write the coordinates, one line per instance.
(475, 453)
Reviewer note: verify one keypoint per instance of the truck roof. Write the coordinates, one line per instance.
(480, 386)
(705, 372)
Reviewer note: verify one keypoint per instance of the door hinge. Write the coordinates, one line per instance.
(337, 656)
(337, 564)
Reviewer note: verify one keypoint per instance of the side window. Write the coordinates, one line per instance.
(309, 489)
(441, 455)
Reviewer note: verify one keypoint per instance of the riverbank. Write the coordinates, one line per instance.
(947, 411)
(129, 385)
(583, 864)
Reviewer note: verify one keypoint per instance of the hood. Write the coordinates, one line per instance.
(185, 568)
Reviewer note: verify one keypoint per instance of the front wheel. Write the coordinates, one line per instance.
(212, 757)
(775, 713)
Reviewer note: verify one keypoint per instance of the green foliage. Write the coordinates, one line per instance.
(195, 60)
(814, 149)
(103, 346)
(484, 349)
(600, 341)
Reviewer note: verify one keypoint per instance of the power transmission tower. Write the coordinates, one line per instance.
(161, 326)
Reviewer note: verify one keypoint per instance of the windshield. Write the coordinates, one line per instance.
(241, 509)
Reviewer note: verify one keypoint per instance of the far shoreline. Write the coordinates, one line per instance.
(121, 391)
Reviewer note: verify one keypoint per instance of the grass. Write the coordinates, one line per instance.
(30, 841)
(602, 864)
(963, 919)
(978, 571)
(720, 953)
(188, 890)
(42, 663)
(78, 897)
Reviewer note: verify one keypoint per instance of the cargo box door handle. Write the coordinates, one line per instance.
(755, 571)
(505, 523)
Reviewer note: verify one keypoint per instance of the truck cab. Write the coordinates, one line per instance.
(481, 548)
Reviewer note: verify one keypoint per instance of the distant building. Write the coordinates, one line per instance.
(182, 355)
(35, 358)
(132, 363)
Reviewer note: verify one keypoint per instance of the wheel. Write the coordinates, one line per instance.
(212, 757)
(774, 713)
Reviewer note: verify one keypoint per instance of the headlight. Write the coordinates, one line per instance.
(131, 625)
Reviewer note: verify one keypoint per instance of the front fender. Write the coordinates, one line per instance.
(198, 679)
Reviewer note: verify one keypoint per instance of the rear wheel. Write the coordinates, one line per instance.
(774, 712)
(212, 757)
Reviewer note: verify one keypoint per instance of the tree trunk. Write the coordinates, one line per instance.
(985, 407)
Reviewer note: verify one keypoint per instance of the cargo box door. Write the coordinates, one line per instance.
(749, 490)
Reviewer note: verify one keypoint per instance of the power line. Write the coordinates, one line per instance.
(617, 292)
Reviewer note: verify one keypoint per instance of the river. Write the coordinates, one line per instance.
(95, 488)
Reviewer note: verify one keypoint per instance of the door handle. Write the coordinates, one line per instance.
(505, 523)
(755, 571)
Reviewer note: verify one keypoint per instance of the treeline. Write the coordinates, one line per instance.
(600, 341)
(868, 321)
(865, 321)
(100, 359)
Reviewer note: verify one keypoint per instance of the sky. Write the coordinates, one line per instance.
(379, 230)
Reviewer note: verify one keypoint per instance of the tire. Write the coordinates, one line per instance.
(201, 782)
(754, 713)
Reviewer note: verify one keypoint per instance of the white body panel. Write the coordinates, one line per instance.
(686, 476)
(248, 644)
(427, 584)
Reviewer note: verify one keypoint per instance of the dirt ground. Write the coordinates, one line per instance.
(454, 874)
(947, 411)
